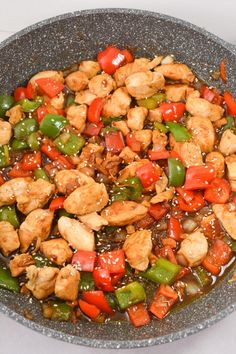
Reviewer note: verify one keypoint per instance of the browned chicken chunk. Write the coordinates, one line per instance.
(203, 108)
(203, 132)
(193, 249)
(68, 180)
(77, 81)
(178, 72)
(119, 103)
(67, 283)
(19, 264)
(76, 116)
(9, 240)
(226, 214)
(144, 84)
(57, 250)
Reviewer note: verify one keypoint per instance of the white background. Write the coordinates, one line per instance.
(215, 16)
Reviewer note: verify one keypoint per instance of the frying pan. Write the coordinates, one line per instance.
(67, 39)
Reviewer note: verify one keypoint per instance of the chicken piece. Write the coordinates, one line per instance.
(58, 101)
(89, 67)
(9, 240)
(84, 97)
(155, 115)
(19, 264)
(160, 140)
(37, 225)
(193, 249)
(220, 123)
(216, 159)
(130, 170)
(87, 199)
(144, 136)
(193, 94)
(163, 196)
(137, 248)
(178, 92)
(49, 74)
(5, 132)
(76, 116)
(15, 114)
(203, 132)
(136, 117)
(68, 180)
(189, 152)
(179, 72)
(201, 107)
(109, 165)
(57, 250)
(41, 281)
(102, 85)
(231, 168)
(35, 196)
(144, 84)
(87, 158)
(227, 144)
(226, 213)
(122, 126)
(93, 221)
(127, 155)
(76, 234)
(122, 213)
(67, 283)
(118, 105)
(77, 81)
(210, 226)
(138, 65)
(162, 183)
(10, 190)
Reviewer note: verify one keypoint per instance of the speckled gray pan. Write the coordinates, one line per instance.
(66, 39)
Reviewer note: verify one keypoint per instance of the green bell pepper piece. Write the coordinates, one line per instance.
(202, 276)
(63, 212)
(159, 97)
(176, 172)
(130, 294)
(108, 130)
(69, 144)
(52, 124)
(4, 156)
(111, 299)
(129, 189)
(19, 145)
(179, 132)
(70, 99)
(6, 102)
(108, 120)
(8, 282)
(153, 101)
(8, 213)
(230, 124)
(42, 261)
(29, 106)
(86, 281)
(34, 141)
(161, 127)
(163, 272)
(56, 310)
(40, 173)
(24, 128)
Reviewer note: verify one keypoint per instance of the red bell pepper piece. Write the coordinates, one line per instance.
(20, 93)
(146, 222)
(17, 171)
(210, 226)
(41, 112)
(110, 59)
(114, 261)
(49, 86)
(31, 161)
(157, 211)
(218, 255)
(199, 177)
(174, 229)
(95, 109)
(98, 299)
(30, 92)
(133, 143)
(168, 253)
(148, 174)
(223, 71)
(218, 191)
(128, 56)
(114, 142)
(172, 111)
(164, 298)
(2, 180)
(92, 129)
(84, 260)
(89, 310)
(230, 103)
(115, 278)
(64, 162)
(211, 95)
(184, 271)
(193, 201)
(102, 279)
(50, 151)
(57, 203)
(163, 155)
(138, 315)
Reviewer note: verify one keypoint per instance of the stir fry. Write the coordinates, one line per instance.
(117, 188)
